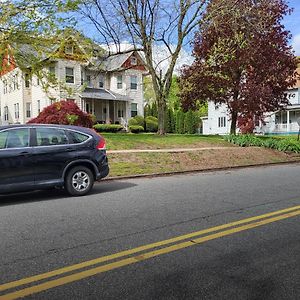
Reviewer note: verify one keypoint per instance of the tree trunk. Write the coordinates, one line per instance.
(161, 116)
(233, 122)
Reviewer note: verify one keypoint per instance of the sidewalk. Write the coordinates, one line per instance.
(173, 150)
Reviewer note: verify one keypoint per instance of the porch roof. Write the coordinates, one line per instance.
(103, 94)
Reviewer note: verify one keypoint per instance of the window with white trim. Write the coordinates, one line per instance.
(17, 110)
(5, 87)
(134, 109)
(101, 81)
(27, 80)
(222, 122)
(28, 110)
(70, 75)
(119, 82)
(88, 80)
(5, 113)
(133, 82)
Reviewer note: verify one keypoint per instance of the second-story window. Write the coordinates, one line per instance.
(70, 75)
(101, 81)
(27, 80)
(119, 82)
(5, 87)
(133, 82)
(15, 82)
(88, 80)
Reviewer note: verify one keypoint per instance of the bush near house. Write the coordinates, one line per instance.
(246, 140)
(151, 124)
(108, 127)
(136, 129)
(64, 112)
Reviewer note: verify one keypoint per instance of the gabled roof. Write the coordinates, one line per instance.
(116, 62)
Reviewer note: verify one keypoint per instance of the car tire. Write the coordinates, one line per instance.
(79, 181)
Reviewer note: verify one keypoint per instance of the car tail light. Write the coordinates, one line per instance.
(101, 145)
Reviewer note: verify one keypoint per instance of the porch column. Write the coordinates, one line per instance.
(82, 105)
(107, 111)
(93, 106)
(288, 121)
(114, 120)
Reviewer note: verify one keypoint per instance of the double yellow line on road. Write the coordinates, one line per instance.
(124, 258)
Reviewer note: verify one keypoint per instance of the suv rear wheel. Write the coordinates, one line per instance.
(79, 181)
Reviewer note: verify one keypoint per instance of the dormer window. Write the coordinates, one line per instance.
(133, 61)
(69, 49)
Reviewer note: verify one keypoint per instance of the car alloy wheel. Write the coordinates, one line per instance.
(79, 181)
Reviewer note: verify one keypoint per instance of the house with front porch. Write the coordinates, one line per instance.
(279, 122)
(109, 87)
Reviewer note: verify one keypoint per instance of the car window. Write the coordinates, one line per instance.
(14, 138)
(77, 137)
(51, 136)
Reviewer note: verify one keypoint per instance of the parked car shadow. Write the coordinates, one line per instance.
(54, 194)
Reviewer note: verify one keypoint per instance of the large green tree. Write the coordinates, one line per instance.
(151, 26)
(30, 29)
(242, 58)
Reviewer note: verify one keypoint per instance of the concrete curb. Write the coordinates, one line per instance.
(198, 171)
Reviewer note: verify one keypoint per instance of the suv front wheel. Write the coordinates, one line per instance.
(79, 181)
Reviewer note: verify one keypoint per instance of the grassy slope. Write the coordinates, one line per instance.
(127, 141)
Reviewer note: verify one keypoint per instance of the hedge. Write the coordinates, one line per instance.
(136, 129)
(246, 140)
(107, 127)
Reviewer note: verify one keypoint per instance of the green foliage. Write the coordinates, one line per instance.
(191, 122)
(136, 129)
(246, 140)
(132, 122)
(170, 121)
(180, 116)
(151, 124)
(107, 127)
(140, 120)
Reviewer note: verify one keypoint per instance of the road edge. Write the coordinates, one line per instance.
(209, 170)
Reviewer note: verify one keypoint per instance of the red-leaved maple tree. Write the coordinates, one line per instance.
(64, 112)
(242, 58)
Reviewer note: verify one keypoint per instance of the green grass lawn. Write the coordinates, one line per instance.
(126, 141)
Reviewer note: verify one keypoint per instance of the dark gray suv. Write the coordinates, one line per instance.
(37, 156)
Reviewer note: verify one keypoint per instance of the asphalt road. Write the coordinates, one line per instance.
(257, 258)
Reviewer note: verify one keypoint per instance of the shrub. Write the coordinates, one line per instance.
(246, 140)
(132, 122)
(180, 121)
(136, 128)
(64, 112)
(151, 124)
(107, 127)
(140, 120)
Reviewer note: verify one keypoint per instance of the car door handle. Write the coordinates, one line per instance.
(24, 153)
